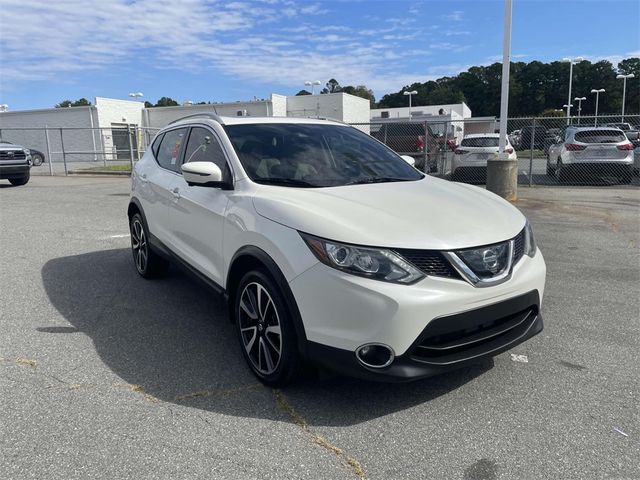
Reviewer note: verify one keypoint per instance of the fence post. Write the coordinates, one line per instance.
(46, 141)
(130, 146)
(533, 141)
(425, 149)
(64, 154)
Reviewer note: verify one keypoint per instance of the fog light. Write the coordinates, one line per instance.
(375, 355)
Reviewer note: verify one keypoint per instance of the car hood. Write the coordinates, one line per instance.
(425, 214)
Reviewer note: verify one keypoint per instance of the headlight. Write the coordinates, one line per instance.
(529, 241)
(379, 264)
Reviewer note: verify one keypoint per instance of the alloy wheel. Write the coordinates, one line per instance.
(260, 330)
(139, 245)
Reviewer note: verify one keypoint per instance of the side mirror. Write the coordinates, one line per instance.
(203, 174)
(410, 160)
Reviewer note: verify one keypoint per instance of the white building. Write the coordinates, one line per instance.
(104, 126)
(455, 111)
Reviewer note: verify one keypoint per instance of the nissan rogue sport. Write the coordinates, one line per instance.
(332, 249)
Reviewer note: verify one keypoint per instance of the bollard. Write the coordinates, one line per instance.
(502, 178)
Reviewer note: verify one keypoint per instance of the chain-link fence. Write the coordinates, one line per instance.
(63, 151)
(549, 150)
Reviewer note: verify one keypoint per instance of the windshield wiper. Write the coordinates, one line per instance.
(377, 180)
(287, 182)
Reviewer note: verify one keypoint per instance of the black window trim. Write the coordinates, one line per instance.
(220, 143)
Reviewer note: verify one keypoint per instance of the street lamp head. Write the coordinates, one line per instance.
(317, 82)
(308, 83)
(631, 75)
(572, 60)
(601, 90)
(567, 106)
(578, 99)
(412, 92)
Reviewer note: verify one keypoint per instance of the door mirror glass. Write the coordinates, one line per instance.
(205, 174)
(410, 160)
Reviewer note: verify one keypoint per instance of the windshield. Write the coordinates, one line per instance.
(315, 155)
(480, 142)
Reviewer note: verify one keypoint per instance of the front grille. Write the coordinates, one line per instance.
(429, 262)
(8, 155)
(518, 247)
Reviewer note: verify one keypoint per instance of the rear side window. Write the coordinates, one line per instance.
(203, 146)
(480, 142)
(168, 155)
(600, 136)
(156, 145)
(405, 129)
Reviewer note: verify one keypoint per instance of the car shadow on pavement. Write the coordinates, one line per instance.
(171, 339)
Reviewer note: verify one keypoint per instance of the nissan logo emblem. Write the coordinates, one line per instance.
(490, 259)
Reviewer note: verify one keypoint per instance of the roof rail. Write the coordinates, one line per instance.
(212, 116)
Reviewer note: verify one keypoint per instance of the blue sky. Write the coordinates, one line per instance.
(211, 50)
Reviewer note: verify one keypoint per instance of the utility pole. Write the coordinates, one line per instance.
(502, 173)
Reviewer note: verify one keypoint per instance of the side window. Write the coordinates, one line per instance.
(169, 152)
(203, 146)
(156, 145)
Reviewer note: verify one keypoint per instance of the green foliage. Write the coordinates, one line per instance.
(81, 102)
(534, 88)
(166, 102)
(360, 91)
(332, 86)
(303, 92)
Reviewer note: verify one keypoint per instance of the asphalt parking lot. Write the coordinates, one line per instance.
(106, 375)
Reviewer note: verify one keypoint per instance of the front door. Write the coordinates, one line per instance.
(196, 215)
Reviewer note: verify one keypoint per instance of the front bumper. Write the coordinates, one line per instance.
(343, 312)
(447, 343)
(14, 171)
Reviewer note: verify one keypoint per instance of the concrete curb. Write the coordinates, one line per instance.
(99, 173)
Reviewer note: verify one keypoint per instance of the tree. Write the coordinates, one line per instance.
(303, 92)
(148, 104)
(81, 102)
(332, 87)
(166, 102)
(360, 91)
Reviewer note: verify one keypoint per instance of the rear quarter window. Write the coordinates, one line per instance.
(480, 142)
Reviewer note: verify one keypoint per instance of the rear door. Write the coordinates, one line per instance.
(196, 213)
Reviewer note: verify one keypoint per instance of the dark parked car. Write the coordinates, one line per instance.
(37, 157)
(532, 137)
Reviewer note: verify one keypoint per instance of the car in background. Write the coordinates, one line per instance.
(624, 126)
(532, 137)
(37, 157)
(514, 138)
(410, 139)
(15, 163)
(469, 162)
(588, 151)
(550, 138)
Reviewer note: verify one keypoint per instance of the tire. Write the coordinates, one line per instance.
(562, 173)
(265, 330)
(37, 159)
(17, 181)
(148, 263)
(626, 178)
(551, 171)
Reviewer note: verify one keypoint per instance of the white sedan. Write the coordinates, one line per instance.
(469, 161)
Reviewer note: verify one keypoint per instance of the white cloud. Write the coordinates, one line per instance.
(455, 16)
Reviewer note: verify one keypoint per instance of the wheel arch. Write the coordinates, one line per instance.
(248, 258)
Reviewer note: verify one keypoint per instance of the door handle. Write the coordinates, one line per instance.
(176, 192)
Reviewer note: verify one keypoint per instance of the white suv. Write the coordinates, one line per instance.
(331, 249)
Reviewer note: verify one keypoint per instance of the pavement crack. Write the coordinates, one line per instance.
(351, 463)
(219, 392)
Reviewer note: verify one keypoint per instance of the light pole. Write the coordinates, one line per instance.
(136, 94)
(624, 89)
(571, 61)
(4, 107)
(579, 100)
(410, 94)
(597, 92)
(312, 84)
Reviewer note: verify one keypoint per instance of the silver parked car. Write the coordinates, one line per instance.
(603, 151)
